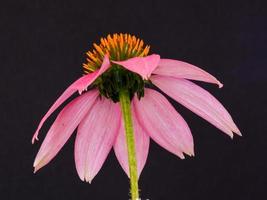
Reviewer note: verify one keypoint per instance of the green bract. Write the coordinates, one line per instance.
(118, 78)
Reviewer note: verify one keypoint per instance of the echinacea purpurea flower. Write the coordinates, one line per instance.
(116, 109)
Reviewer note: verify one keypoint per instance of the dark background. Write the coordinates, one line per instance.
(42, 48)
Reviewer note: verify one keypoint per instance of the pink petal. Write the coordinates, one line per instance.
(143, 66)
(64, 125)
(164, 125)
(141, 146)
(179, 69)
(96, 135)
(80, 85)
(198, 100)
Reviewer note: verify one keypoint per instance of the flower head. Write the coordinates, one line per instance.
(121, 63)
(119, 48)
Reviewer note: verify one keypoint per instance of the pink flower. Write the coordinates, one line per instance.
(99, 121)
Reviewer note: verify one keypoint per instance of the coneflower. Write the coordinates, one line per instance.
(115, 109)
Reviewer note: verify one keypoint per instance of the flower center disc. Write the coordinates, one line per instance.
(118, 47)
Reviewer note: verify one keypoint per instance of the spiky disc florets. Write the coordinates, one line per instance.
(118, 47)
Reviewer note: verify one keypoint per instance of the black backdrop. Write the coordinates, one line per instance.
(42, 49)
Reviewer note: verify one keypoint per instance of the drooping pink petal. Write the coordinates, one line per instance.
(179, 69)
(64, 125)
(197, 100)
(80, 85)
(96, 135)
(143, 66)
(163, 123)
(141, 146)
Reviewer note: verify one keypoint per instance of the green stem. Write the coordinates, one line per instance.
(125, 104)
